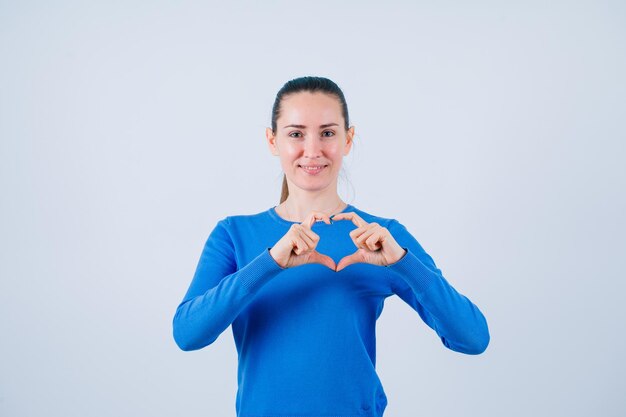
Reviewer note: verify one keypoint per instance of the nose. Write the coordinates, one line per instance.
(312, 147)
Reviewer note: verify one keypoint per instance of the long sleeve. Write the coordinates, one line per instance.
(218, 291)
(456, 320)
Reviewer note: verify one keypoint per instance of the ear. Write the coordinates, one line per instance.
(271, 141)
(349, 139)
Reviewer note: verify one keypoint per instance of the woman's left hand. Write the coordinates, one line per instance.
(375, 243)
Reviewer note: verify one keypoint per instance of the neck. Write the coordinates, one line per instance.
(297, 209)
(301, 202)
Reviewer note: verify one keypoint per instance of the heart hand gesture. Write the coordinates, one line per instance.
(297, 246)
(375, 243)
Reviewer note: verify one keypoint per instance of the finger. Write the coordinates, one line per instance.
(356, 219)
(307, 235)
(299, 245)
(374, 242)
(366, 240)
(314, 216)
(310, 234)
(322, 259)
(349, 260)
(358, 232)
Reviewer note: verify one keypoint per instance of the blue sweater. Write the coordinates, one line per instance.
(305, 336)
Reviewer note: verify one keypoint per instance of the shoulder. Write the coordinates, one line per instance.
(372, 218)
(395, 227)
(236, 223)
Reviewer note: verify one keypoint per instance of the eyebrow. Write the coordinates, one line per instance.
(304, 127)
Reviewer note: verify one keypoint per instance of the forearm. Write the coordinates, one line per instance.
(199, 320)
(460, 324)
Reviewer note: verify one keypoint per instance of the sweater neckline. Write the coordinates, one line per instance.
(274, 215)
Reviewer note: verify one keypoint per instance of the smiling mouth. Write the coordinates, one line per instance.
(312, 169)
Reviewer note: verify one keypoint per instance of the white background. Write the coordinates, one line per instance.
(494, 131)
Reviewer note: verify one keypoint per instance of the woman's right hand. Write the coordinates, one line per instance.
(297, 246)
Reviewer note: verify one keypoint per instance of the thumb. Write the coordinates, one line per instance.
(348, 260)
(325, 260)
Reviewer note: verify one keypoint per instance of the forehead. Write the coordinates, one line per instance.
(314, 108)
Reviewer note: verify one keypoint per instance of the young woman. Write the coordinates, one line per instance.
(303, 283)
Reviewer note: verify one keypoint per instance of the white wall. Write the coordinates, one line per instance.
(494, 131)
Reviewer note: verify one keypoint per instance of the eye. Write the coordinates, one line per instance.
(328, 131)
(295, 133)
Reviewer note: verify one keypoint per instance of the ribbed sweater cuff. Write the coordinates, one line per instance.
(259, 271)
(413, 271)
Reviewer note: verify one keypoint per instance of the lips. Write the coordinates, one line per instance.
(313, 169)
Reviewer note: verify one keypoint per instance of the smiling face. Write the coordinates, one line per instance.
(310, 139)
